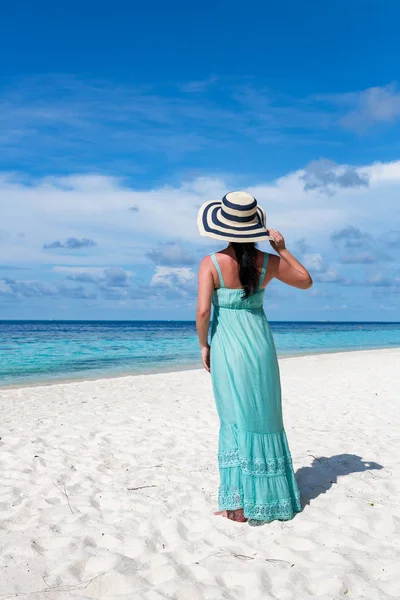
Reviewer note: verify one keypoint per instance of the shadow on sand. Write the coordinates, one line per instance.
(324, 472)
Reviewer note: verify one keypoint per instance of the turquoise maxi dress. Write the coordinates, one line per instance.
(254, 460)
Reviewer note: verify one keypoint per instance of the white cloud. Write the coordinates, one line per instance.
(173, 277)
(314, 261)
(321, 271)
(98, 207)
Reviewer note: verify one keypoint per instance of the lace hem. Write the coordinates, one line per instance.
(269, 466)
(281, 510)
(230, 499)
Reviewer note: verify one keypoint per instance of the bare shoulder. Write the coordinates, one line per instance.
(205, 263)
(273, 263)
(260, 258)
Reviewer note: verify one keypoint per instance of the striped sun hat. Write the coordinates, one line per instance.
(235, 218)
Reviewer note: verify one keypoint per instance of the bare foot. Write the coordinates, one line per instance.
(233, 515)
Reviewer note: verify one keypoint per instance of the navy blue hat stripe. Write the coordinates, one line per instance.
(235, 218)
(238, 206)
(216, 221)
(227, 233)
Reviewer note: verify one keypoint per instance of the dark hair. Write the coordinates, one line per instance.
(246, 255)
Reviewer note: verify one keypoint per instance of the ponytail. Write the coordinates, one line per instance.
(246, 255)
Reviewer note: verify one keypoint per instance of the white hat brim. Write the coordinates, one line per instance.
(211, 226)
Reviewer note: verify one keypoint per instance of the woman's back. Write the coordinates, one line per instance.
(228, 266)
(231, 295)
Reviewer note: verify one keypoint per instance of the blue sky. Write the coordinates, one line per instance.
(116, 124)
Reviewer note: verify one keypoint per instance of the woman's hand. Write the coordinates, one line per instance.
(205, 357)
(278, 242)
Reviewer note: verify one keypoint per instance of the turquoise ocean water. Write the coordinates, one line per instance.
(46, 351)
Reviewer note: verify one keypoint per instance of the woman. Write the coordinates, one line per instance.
(256, 475)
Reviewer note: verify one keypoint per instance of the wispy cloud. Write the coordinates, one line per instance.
(361, 247)
(172, 254)
(302, 246)
(365, 108)
(13, 268)
(199, 85)
(103, 277)
(384, 280)
(352, 237)
(70, 244)
(67, 120)
(374, 105)
(391, 239)
(14, 290)
(360, 258)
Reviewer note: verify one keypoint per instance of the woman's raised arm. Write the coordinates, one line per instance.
(286, 267)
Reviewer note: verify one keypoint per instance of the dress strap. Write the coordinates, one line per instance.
(264, 268)
(221, 279)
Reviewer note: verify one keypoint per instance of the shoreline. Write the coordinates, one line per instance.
(324, 321)
(174, 369)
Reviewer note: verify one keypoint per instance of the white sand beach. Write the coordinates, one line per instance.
(109, 487)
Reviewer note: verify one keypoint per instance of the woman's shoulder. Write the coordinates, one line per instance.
(211, 256)
(206, 261)
(261, 256)
(222, 255)
(208, 257)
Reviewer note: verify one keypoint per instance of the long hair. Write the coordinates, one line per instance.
(246, 255)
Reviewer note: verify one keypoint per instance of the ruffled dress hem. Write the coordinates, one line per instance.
(256, 474)
(284, 509)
